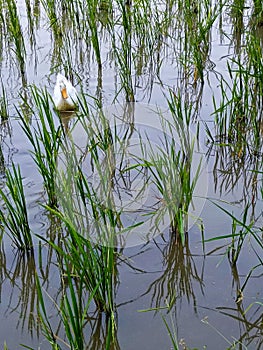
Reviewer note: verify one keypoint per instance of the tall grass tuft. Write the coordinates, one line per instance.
(14, 215)
(45, 139)
(4, 112)
(123, 53)
(74, 317)
(172, 333)
(52, 8)
(92, 18)
(46, 326)
(15, 32)
(171, 166)
(72, 312)
(95, 265)
(89, 272)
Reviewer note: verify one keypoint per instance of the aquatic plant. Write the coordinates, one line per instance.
(45, 139)
(91, 274)
(172, 333)
(172, 165)
(127, 51)
(92, 17)
(15, 34)
(13, 214)
(92, 225)
(74, 314)
(4, 112)
(124, 53)
(72, 311)
(241, 233)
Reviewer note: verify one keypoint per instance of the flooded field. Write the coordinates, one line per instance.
(131, 142)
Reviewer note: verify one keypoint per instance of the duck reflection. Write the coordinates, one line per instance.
(66, 117)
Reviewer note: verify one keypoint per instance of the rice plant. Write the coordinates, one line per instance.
(53, 14)
(171, 333)
(72, 312)
(242, 233)
(92, 11)
(193, 33)
(238, 238)
(237, 119)
(123, 53)
(97, 265)
(171, 166)
(4, 110)
(16, 38)
(47, 329)
(89, 216)
(87, 210)
(91, 269)
(45, 140)
(13, 214)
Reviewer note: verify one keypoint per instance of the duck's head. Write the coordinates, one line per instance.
(63, 90)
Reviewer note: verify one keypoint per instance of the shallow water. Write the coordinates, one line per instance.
(202, 282)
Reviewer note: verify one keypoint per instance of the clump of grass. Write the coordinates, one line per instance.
(92, 17)
(238, 112)
(237, 118)
(171, 166)
(171, 174)
(172, 333)
(52, 9)
(91, 201)
(4, 112)
(88, 213)
(15, 33)
(45, 139)
(96, 265)
(241, 232)
(124, 52)
(88, 216)
(91, 274)
(14, 215)
(72, 312)
(195, 21)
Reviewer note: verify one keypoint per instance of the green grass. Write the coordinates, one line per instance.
(131, 51)
(16, 37)
(244, 233)
(4, 110)
(45, 139)
(91, 274)
(171, 166)
(13, 213)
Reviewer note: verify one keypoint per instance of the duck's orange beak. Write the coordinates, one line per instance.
(64, 93)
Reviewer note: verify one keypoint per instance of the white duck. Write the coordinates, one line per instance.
(65, 95)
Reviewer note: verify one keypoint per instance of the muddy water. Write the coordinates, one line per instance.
(200, 284)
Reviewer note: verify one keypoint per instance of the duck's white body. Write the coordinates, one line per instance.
(65, 95)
